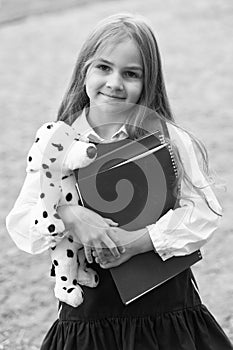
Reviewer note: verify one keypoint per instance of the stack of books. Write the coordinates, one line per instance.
(127, 183)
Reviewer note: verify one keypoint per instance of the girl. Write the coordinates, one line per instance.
(118, 68)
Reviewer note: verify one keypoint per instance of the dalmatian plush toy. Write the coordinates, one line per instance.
(54, 155)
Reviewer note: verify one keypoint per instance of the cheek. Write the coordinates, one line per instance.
(93, 83)
(136, 91)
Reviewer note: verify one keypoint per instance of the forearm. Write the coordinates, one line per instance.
(143, 242)
(78, 218)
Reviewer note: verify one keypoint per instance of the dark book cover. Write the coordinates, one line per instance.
(127, 183)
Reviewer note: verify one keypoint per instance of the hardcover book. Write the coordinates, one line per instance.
(127, 183)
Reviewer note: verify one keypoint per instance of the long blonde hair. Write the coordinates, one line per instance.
(111, 31)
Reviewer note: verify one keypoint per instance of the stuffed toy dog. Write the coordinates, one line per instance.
(54, 155)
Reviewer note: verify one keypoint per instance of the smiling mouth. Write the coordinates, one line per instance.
(113, 96)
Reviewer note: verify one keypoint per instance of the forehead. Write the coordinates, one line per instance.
(125, 52)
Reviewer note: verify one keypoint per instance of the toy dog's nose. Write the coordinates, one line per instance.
(91, 152)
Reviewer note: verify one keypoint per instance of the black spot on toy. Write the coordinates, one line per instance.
(70, 253)
(48, 174)
(51, 228)
(69, 197)
(56, 216)
(58, 146)
(52, 271)
(70, 239)
(45, 166)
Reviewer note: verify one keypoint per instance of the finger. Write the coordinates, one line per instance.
(105, 252)
(100, 262)
(94, 253)
(111, 246)
(121, 249)
(99, 252)
(111, 222)
(107, 265)
(88, 254)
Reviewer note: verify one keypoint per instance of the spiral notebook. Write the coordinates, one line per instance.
(127, 184)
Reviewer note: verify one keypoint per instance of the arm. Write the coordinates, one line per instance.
(29, 229)
(185, 229)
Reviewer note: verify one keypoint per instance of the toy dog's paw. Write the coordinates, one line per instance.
(72, 295)
(88, 277)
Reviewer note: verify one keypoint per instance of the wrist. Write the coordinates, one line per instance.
(65, 213)
(144, 243)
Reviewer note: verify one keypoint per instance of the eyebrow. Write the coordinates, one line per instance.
(135, 67)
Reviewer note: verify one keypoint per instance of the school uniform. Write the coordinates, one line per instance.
(171, 316)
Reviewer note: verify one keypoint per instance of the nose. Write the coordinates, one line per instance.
(91, 152)
(115, 81)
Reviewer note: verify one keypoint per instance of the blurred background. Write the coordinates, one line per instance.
(39, 43)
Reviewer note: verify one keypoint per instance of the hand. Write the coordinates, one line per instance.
(90, 229)
(107, 260)
(131, 243)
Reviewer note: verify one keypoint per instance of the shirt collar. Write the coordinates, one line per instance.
(87, 133)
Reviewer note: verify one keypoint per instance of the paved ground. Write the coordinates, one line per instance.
(36, 60)
(18, 10)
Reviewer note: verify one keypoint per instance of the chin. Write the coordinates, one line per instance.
(116, 107)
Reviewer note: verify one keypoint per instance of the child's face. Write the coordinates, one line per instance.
(114, 81)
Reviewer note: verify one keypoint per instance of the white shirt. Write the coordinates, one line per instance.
(180, 231)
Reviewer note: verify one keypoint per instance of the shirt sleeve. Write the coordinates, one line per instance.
(188, 227)
(18, 221)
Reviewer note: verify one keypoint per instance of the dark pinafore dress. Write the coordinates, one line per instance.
(170, 317)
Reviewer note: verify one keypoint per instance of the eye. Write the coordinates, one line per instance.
(103, 67)
(132, 75)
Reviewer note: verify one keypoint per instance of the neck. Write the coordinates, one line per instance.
(105, 124)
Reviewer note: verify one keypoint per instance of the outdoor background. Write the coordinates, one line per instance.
(39, 43)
